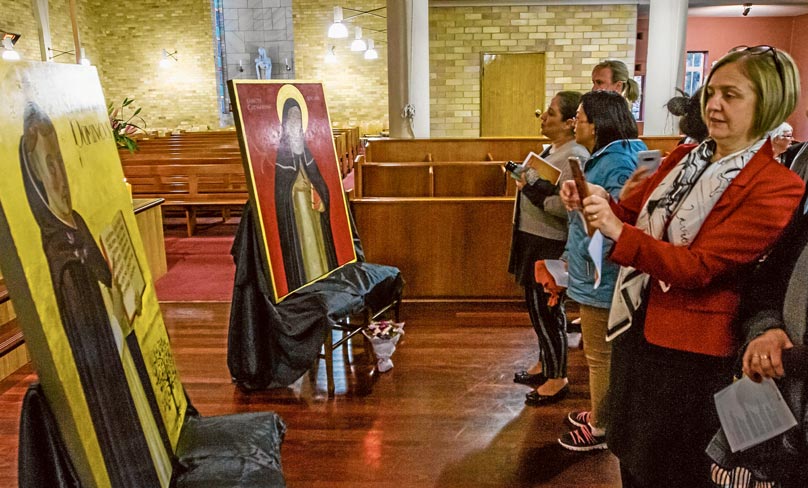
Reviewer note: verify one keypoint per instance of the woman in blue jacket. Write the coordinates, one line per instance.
(605, 126)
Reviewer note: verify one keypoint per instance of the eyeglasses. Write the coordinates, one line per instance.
(763, 49)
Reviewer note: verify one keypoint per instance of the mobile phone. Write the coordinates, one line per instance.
(514, 170)
(649, 159)
(580, 185)
(578, 177)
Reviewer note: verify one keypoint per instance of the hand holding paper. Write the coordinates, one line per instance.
(552, 275)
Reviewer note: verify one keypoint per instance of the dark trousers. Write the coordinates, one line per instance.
(550, 325)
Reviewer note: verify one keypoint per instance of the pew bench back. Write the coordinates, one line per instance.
(190, 186)
(438, 179)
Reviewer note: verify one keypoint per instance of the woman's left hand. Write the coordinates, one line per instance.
(764, 355)
(522, 181)
(599, 216)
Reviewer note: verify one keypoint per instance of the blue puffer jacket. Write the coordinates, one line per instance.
(609, 167)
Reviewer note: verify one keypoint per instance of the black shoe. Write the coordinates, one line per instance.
(536, 399)
(525, 378)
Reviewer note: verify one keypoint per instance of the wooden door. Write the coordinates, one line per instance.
(512, 89)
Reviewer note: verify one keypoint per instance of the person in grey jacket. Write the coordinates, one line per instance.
(540, 232)
(775, 308)
(605, 126)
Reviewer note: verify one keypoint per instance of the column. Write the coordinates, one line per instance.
(667, 30)
(408, 67)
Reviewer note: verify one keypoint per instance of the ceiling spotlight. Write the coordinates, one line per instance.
(338, 29)
(9, 54)
(7, 41)
(746, 8)
(371, 53)
(358, 44)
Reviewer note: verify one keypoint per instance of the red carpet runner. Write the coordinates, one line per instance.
(200, 269)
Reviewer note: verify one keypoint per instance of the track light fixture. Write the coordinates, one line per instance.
(360, 44)
(7, 40)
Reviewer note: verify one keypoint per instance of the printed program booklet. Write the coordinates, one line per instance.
(752, 413)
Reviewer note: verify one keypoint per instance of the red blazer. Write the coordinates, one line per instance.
(697, 313)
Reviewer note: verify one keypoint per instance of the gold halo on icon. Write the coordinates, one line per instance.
(290, 91)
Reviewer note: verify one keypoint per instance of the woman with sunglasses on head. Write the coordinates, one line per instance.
(540, 232)
(686, 238)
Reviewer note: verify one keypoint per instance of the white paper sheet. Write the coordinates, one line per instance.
(558, 269)
(596, 253)
(751, 413)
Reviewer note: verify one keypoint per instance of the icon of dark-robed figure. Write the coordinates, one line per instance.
(81, 277)
(290, 160)
(302, 203)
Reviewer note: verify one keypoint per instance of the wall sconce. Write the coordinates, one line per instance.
(83, 59)
(358, 43)
(287, 64)
(165, 62)
(331, 55)
(7, 39)
(55, 53)
(747, 7)
(371, 52)
(338, 29)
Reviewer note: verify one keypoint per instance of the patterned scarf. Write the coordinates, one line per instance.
(676, 211)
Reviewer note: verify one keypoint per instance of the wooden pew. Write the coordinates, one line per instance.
(438, 179)
(475, 149)
(447, 248)
(663, 143)
(190, 186)
(452, 149)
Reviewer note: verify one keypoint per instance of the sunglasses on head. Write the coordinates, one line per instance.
(763, 49)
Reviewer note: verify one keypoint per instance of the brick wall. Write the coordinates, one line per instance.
(355, 88)
(574, 38)
(125, 44)
(18, 17)
(129, 41)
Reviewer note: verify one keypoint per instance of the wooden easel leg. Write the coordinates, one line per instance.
(329, 364)
(190, 216)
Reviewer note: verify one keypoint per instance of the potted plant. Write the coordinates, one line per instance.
(124, 128)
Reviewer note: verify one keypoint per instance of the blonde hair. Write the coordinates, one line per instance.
(631, 90)
(775, 79)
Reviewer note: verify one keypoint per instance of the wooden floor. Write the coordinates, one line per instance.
(447, 415)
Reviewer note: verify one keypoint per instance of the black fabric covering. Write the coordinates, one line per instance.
(273, 345)
(42, 458)
(230, 451)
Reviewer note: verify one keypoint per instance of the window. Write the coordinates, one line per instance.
(637, 107)
(694, 70)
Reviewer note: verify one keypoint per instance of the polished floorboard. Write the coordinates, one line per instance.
(447, 415)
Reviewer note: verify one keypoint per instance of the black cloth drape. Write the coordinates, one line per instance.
(272, 345)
